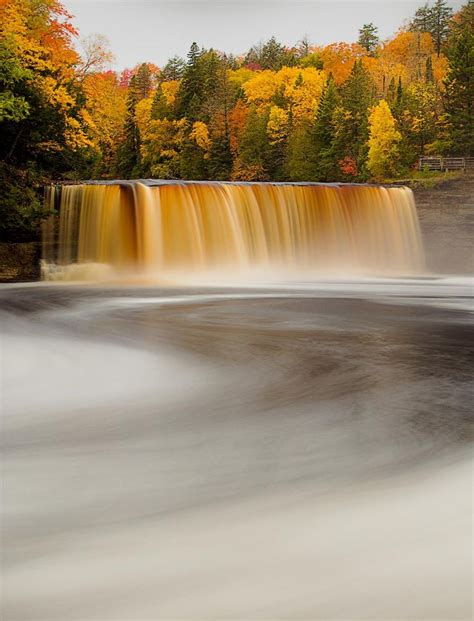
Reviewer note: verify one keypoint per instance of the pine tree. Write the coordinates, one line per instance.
(253, 147)
(143, 82)
(441, 14)
(434, 20)
(357, 98)
(429, 76)
(422, 20)
(173, 70)
(368, 38)
(160, 109)
(128, 153)
(323, 151)
(460, 82)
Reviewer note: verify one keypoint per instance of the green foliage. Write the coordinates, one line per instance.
(173, 70)
(273, 55)
(323, 153)
(460, 83)
(21, 209)
(434, 20)
(368, 37)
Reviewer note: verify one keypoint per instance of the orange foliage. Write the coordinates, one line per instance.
(237, 121)
(339, 58)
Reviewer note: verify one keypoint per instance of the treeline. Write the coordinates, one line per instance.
(343, 112)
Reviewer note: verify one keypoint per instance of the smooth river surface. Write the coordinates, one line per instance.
(283, 452)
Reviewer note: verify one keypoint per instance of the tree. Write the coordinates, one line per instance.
(383, 141)
(352, 117)
(44, 124)
(434, 20)
(429, 76)
(128, 155)
(368, 38)
(422, 20)
(441, 14)
(96, 55)
(173, 70)
(250, 163)
(323, 150)
(459, 97)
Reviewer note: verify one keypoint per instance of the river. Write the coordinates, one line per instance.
(293, 451)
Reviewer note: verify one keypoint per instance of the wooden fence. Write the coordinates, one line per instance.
(446, 163)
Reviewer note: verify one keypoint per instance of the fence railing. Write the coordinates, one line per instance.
(446, 163)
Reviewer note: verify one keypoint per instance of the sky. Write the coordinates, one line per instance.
(155, 30)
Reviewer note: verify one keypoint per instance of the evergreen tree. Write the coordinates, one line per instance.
(368, 38)
(220, 157)
(323, 151)
(173, 70)
(199, 84)
(128, 153)
(441, 15)
(159, 108)
(422, 19)
(272, 55)
(357, 98)
(429, 76)
(434, 20)
(191, 85)
(143, 82)
(253, 146)
(460, 82)
(392, 93)
(193, 164)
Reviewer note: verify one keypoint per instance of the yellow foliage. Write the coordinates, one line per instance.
(143, 114)
(237, 77)
(162, 140)
(383, 141)
(200, 135)
(261, 88)
(300, 87)
(170, 90)
(106, 108)
(277, 125)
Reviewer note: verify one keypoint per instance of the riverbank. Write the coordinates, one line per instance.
(445, 208)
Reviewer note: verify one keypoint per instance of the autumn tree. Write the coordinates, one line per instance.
(96, 56)
(383, 141)
(43, 122)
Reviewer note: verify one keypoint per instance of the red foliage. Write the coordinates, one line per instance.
(348, 166)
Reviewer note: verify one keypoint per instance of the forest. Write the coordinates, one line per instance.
(349, 112)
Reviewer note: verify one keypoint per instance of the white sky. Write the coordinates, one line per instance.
(155, 30)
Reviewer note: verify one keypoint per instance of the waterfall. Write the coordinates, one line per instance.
(163, 229)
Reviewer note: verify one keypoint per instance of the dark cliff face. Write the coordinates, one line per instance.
(446, 215)
(20, 262)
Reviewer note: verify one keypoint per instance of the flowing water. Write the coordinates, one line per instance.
(170, 229)
(290, 450)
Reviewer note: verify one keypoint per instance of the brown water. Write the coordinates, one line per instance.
(299, 451)
(167, 229)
